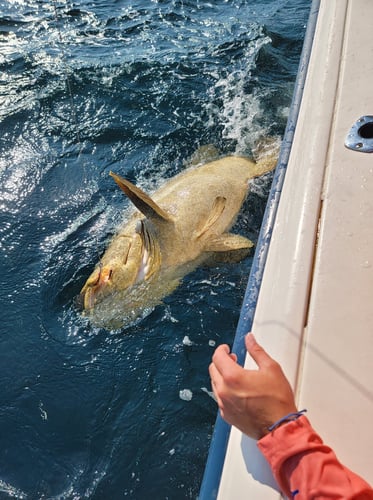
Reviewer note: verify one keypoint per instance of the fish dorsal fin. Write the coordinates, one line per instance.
(216, 211)
(141, 200)
(204, 154)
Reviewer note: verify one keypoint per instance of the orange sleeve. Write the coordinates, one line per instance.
(306, 468)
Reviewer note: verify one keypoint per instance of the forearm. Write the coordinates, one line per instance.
(304, 466)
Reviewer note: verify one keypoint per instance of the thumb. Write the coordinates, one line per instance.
(257, 352)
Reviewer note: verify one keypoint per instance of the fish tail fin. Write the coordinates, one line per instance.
(266, 153)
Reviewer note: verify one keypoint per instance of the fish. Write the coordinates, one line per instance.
(185, 224)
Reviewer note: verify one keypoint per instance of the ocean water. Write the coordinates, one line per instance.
(136, 87)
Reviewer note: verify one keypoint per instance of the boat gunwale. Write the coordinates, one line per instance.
(215, 461)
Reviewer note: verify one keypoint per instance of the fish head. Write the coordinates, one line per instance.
(117, 271)
(132, 258)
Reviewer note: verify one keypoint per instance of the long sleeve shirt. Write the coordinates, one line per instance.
(305, 468)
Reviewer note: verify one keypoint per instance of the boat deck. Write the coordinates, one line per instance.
(314, 312)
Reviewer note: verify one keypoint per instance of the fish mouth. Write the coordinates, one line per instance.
(95, 285)
(140, 260)
(88, 299)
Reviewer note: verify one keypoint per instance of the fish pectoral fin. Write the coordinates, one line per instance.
(228, 248)
(141, 200)
(151, 259)
(216, 211)
(227, 242)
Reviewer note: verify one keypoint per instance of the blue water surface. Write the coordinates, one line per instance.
(136, 87)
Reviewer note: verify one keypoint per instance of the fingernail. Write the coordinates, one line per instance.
(251, 339)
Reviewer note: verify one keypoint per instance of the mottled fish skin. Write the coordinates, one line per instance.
(183, 225)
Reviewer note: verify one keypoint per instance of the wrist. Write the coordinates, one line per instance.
(290, 417)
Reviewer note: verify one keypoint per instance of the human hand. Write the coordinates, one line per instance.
(251, 400)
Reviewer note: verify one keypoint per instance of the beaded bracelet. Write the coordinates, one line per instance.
(287, 418)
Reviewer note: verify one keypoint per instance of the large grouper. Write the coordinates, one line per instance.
(183, 225)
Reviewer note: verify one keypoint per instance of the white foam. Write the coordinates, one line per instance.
(187, 341)
(240, 113)
(186, 395)
(11, 490)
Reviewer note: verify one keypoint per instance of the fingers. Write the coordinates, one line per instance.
(259, 355)
(225, 362)
(215, 377)
(233, 356)
(216, 383)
